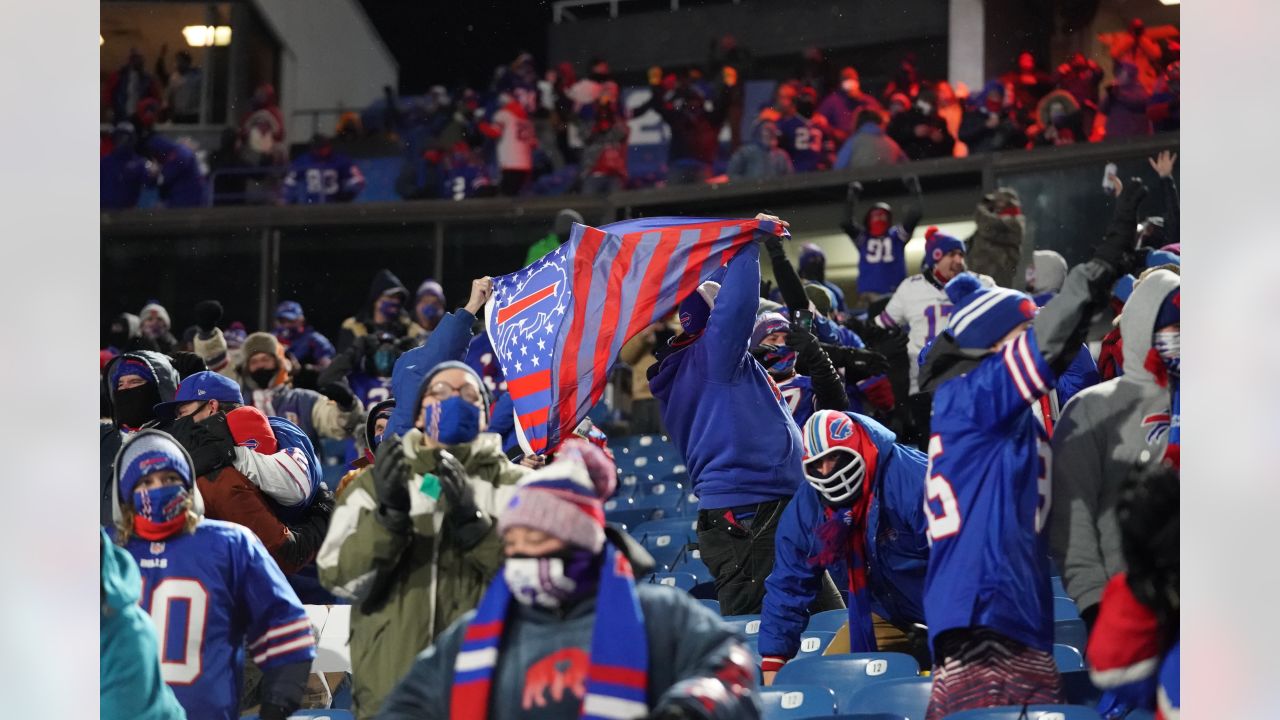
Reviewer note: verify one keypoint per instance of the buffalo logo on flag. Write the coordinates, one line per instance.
(557, 325)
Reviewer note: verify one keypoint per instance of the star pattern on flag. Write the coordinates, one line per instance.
(534, 360)
(518, 368)
(542, 344)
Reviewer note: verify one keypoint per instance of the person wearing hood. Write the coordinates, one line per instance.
(124, 334)
(869, 146)
(990, 123)
(135, 383)
(760, 159)
(155, 324)
(727, 418)
(384, 310)
(987, 599)
(1045, 277)
(333, 412)
(881, 243)
(559, 235)
(218, 577)
(860, 518)
(412, 542)
(130, 683)
(428, 304)
(995, 248)
(1105, 431)
(1124, 102)
(920, 131)
(565, 631)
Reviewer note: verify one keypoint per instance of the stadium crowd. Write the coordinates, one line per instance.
(939, 463)
(554, 131)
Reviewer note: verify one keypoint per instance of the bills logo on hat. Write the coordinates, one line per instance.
(151, 461)
(841, 428)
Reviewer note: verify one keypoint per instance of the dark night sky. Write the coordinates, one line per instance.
(458, 42)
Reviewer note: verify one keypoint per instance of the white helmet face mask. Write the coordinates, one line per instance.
(844, 482)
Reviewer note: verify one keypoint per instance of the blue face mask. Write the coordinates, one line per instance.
(287, 332)
(430, 312)
(160, 511)
(451, 422)
(389, 308)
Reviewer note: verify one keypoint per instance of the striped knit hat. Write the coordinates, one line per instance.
(566, 498)
(984, 315)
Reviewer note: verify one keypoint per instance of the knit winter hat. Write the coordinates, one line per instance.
(812, 260)
(768, 324)
(984, 315)
(564, 221)
(1047, 272)
(432, 288)
(131, 366)
(821, 297)
(695, 309)
(1170, 310)
(289, 310)
(937, 244)
(1163, 257)
(155, 308)
(149, 452)
(260, 342)
(566, 498)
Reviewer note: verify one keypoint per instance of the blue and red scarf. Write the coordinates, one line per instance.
(617, 678)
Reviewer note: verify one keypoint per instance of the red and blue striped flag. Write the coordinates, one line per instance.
(557, 325)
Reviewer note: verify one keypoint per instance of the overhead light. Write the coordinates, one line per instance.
(207, 35)
(1170, 2)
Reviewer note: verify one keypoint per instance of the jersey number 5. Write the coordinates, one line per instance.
(938, 490)
(177, 594)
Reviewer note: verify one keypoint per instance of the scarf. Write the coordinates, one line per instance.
(845, 533)
(1168, 375)
(617, 678)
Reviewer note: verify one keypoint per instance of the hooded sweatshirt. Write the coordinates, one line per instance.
(1101, 434)
(109, 433)
(129, 679)
(362, 322)
(723, 412)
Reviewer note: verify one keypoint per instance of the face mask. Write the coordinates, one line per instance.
(135, 407)
(430, 312)
(781, 362)
(160, 512)
(262, 377)
(451, 422)
(850, 86)
(550, 582)
(389, 308)
(287, 333)
(1168, 346)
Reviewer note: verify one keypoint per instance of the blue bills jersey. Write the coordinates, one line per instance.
(213, 594)
(987, 497)
(371, 389)
(797, 393)
(882, 261)
(802, 139)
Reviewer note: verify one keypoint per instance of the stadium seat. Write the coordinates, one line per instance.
(679, 580)
(712, 605)
(692, 563)
(797, 701)
(688, 529)
(1065, 609)
(1078, 688)
(1071, 632)
(847, 674)
(746, 624)
(908, 697)
(1059, 590)
(828, 620)
(666, 549)
(662, 505)
(672, 488)
(1067, 658)
(814, 643)
(1030, 712)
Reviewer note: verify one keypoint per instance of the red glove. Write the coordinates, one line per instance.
(250, 428)
(879, 392)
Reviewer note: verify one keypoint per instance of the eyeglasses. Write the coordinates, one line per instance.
(443, 391)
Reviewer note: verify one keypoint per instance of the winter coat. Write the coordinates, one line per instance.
(694, 130)
(130, 684)
(867, 147)
(407, 589)
(995, 248)
(1103, 431)
(110, 436)
(686, 642)
(1126, 109)
(902, 128)
(753, 161)
(449, 341)
(897, 548)
(362, 322)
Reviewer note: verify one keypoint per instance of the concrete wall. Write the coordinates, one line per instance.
(331, 57)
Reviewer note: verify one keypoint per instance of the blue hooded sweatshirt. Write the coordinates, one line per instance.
(129, 679)
(721, 409)
(447, 342)
(897, 548)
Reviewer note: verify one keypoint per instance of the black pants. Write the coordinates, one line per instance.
(739, 555)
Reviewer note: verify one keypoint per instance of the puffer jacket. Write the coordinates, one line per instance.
(995, 248)
(407, 589)
(1103, 431)
(897, 548)
(110, 436)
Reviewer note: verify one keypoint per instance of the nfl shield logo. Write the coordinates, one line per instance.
(157, 548)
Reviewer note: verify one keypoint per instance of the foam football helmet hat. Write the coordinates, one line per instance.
(830, 434)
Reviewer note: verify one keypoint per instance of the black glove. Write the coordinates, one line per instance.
(766, 288)
(811, 360)
(760, 351)
(309, 534)
(469, 523)
(208, 313)
(340, 394)
(209, 442)
(1119, 244)
(307, 378)
(391, 484)
(187, 363)
(858, 364)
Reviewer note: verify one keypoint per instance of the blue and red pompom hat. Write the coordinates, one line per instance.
(984, 315)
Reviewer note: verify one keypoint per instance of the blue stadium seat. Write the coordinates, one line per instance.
(664, 502)
(666, 549)
(1065, 609)
(679, 580)
(814, 643)
(316, 714)
(712, 605)
(630, 517)
(672, 488)
(748, 625)
(1059, 590)
(828, 620)
(867, 716)
(846, 674)
(1031, 712)
(797, 701)
(1071, 632)
(692, 563)
(1067, 658)
(908, 697)
(688, 529)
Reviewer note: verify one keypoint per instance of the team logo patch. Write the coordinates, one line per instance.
(251, 443)
(1157, 426)
(157, 548)
(841, 428)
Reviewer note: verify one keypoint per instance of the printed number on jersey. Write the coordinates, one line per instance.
(939, 494)
(179, 607)
(322, 182)
(808, 139)
(880, 250)
(792, 397)
(936, 315)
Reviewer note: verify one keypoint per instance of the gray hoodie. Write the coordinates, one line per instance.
(1102, 432)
